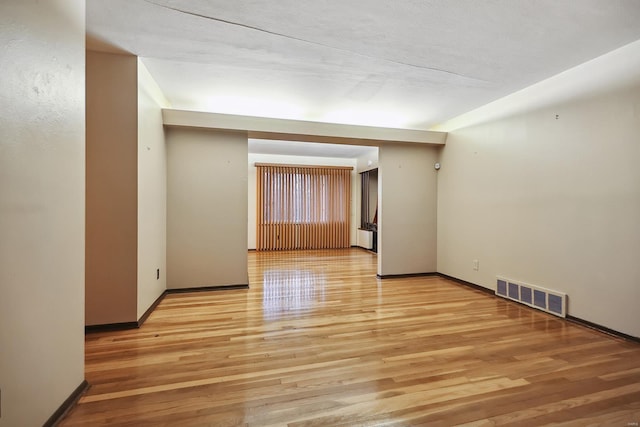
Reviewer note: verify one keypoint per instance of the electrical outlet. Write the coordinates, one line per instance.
(476, 264)
(158, 274)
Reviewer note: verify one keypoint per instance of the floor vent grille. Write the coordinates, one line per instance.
(553, 302)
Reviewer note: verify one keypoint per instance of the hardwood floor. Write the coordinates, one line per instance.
(319, 341)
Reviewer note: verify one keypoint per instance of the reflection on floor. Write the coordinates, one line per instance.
(290, 290)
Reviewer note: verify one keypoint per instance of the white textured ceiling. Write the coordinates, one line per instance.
(407, 64)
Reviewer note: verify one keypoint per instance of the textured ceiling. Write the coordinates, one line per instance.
(407, 64)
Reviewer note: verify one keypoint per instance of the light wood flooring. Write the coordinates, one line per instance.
(319, 341)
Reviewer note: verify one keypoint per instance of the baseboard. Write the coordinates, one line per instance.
(123, 326)
(573, 319)
(469, 284)
(150, 309)
(401, 276)
(207, 289)
(602, 329)
(67, 405)
(371, 251)
(110, 327)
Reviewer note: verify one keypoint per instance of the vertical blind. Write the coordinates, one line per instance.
(302, 207)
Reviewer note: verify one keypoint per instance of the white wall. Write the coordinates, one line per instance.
(407, 212)
(111, 188)
(41, 207)
(551, 196)
(296, 160)
(206, 208)
(152, 191)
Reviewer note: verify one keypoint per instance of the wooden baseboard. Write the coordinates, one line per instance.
(123, 326)
(469, 284)
(371, 251)
(109, 327)
(150, 309)
(401, 276)
(207, 289)
(67, 405)
(586, 323)
(602, 329)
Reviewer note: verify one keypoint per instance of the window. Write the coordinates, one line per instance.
(303, 207)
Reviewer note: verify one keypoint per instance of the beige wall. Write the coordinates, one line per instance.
(297, 160)
(206, 208)
(152, 192)
(367, 162)
(407, 185)
(41, 207)
(112, 191)
(552, 197)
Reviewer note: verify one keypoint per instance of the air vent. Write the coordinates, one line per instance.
(553, 302)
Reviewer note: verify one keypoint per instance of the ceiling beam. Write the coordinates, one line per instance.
(297, 130)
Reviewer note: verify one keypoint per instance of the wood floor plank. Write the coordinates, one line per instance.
(318, 340)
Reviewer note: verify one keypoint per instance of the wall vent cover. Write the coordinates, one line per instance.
(553, 302)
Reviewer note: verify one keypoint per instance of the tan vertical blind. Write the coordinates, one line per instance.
(303, 207)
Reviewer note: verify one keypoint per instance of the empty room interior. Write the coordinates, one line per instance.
(319, 213)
